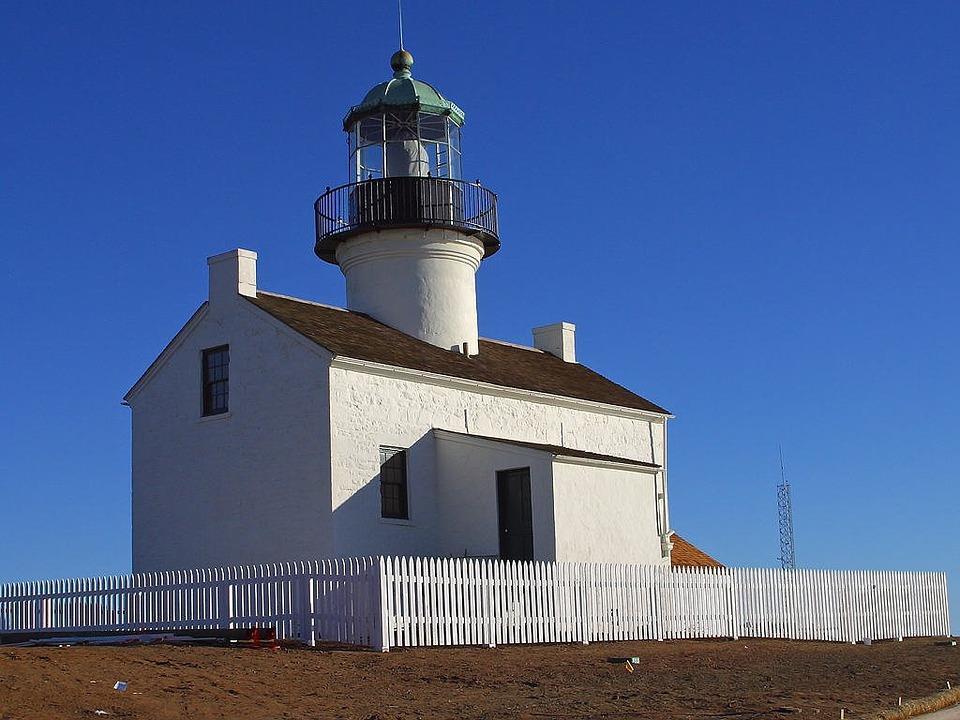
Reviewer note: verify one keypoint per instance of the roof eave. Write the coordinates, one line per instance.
(167, 351)
(614, 463)
(617, 463)
(350, 363)
(358, 112)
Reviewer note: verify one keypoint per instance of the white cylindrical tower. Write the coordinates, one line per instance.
(407, 232)
(418, 280)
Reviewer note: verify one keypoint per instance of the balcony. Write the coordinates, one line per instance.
(405, 202)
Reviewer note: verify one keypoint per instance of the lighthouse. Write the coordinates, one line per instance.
(388, 426)
(407, 231)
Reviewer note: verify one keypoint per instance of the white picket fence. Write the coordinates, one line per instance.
(455, 602)
(330, 600)
(389, 602)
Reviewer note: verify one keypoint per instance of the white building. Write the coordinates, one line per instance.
(273, 428)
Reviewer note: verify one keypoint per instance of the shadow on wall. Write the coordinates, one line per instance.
(358, 527)
(452, 501)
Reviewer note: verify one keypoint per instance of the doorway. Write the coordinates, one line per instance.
(515, 514)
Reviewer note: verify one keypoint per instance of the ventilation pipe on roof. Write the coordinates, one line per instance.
(666, 544)
(557, 339)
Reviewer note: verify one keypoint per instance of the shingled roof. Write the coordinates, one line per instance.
(686, 554)
(358, 336)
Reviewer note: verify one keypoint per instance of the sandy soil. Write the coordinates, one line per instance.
(688, 679)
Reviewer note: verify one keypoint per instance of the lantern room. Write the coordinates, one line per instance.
(403, 128)
(404, 168)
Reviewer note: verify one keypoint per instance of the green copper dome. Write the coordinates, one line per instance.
(402, 92)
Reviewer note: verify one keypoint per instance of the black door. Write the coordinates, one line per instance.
(515, 514)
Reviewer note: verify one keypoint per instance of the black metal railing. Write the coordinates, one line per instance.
(405, 202)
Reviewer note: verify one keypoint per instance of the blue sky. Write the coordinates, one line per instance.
(749, 209)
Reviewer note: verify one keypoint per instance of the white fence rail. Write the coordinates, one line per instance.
(404, 602)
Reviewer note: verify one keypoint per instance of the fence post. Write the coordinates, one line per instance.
(378, 590)
(38, 613)
(302, 611)
(586, 606)
(225, 601)
(489, 622)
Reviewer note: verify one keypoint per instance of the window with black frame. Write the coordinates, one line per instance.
(216, 380)
(393, 483)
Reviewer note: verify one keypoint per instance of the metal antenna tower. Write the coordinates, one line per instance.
(788, 557)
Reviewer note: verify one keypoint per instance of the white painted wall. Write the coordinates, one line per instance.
(420, 281)
(467, 495)
(604, 514)
(370, 407)
(246, 487)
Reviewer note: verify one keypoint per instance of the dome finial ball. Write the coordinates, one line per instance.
(401, 61)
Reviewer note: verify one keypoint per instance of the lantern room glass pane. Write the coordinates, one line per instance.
(400, 126)
(433, 127)
(454, 136)
(352, 141)
(371, 130)
(441, 161)
(455, 171)
(371, 162)
(407, 159)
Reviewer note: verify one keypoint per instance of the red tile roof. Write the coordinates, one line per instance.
(359, 336)
(686, 554)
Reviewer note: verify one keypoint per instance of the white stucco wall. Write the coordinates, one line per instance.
(249, 486)
(467, 495)
(604, 514)
(371, 407)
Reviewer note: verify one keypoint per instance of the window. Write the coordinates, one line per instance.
(216, 380)
(393, 483)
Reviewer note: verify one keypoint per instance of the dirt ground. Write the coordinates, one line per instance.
(682, 679)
